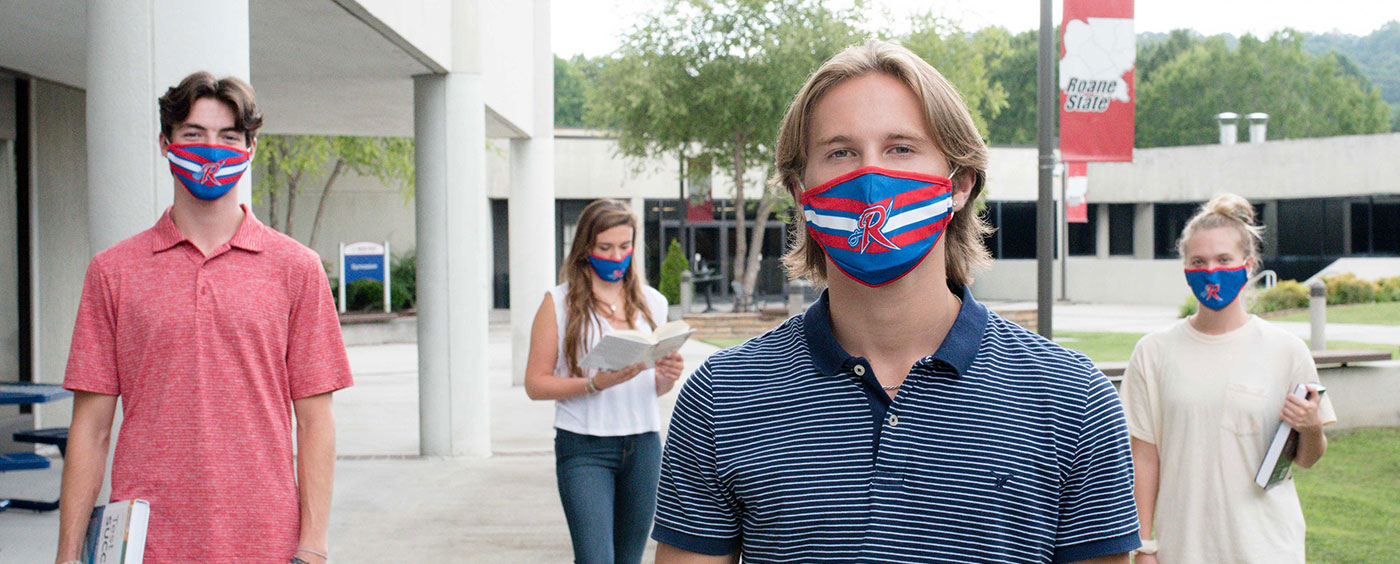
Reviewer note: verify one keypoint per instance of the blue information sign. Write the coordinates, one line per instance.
(359, 267)
(364, 260)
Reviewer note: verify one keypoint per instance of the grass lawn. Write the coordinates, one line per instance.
(1099, 347)
(725, 342)
(1351, 498)
(1368, 314)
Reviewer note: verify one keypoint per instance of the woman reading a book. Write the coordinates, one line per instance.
(606, 447)
(1203, 399)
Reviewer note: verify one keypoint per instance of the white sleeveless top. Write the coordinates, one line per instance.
(628, 408)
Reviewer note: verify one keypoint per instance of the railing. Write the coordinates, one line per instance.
(1270, 279)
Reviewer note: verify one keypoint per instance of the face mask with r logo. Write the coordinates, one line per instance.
(875, 224)
(207, 171)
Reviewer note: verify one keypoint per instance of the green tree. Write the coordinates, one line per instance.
(1152, 55)
(1378, 55)
(1015, 72)
(291, 161)
(966, 59)
(671, 268)
(570, 93)
(713, 78)
(1305, 96)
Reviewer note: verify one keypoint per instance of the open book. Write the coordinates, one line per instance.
(620, 349)
(117, 533)
(1279, 458)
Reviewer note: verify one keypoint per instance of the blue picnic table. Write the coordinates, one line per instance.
(21, 393)
(28, 393)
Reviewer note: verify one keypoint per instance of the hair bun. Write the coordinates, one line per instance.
(1233, 207)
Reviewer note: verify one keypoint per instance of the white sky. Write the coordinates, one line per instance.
(591, 27)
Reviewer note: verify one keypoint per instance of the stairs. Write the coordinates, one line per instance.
(732, 325)
(725, 325)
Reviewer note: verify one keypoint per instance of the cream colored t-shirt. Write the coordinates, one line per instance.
(1211, 403)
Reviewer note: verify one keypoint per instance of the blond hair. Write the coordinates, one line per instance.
(947, 120)
(579, 302)
(1227, 210)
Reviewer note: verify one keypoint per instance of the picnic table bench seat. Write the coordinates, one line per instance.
(57, 436)
(1340, 357)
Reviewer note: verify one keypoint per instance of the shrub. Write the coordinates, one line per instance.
(364, 295)
(671, 268)
(1346, 288)
(403, 272)
(1388, 289)
(1287, 294)
(1189, 308)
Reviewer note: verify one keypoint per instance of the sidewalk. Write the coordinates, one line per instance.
(391, 505)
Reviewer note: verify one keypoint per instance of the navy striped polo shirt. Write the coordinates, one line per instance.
(1000, 447)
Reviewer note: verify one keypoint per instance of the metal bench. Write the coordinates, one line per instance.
(1339, 357)
(24, 461)
(58, 437)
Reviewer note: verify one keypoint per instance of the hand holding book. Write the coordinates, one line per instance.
(1301, 408)
(622, 349)
(1301, 413)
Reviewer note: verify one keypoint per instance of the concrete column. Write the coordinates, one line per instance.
(1143, 235)
(639, 252)
(454, 237)
(1101, 244)
(453, 233)
(1270, 223)
(532, 271)
(135, 51)
(1346, 228)
(9, 222)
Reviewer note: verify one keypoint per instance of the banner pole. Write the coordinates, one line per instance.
(1044, 230)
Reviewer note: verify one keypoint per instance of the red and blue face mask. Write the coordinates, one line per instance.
(608, 269)
(207, 171)
(878, 224)
(1216, 288)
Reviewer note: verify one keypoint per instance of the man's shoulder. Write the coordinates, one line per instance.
(1009, 347)
(780, 346)
(133, 247)
(285, 250)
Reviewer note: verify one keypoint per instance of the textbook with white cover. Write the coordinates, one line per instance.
(117, 533)
(1279, 458)
(620, 349)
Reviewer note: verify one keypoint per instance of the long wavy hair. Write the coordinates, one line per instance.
(580, 305)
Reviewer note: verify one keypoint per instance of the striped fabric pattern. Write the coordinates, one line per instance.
(1014, 450)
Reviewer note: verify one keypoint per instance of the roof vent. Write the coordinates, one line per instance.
(1258, 126)
(1229, 133)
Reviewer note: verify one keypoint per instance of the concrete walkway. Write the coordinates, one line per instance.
(391, 505)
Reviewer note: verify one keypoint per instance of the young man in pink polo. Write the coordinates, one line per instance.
(213, 329)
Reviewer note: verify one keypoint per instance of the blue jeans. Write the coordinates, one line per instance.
(608, 486)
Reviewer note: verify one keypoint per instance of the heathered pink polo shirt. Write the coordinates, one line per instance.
(207, 354)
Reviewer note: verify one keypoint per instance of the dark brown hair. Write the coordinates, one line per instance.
(237, 95)
(580, 304)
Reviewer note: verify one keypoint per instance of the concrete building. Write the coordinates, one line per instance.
(80, 167)
(1321, 200)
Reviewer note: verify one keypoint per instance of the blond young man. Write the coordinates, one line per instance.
(897, 419)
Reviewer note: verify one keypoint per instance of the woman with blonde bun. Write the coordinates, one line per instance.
(1202, 399)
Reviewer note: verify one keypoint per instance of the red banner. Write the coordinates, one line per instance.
(1098, 52)
(1077, 192)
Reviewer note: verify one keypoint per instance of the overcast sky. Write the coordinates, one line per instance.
(591, 27)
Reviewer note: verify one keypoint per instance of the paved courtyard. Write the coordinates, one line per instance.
(391, 505)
